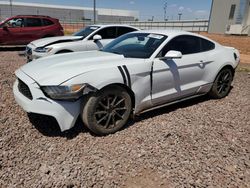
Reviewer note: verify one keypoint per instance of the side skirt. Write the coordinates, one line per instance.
(170, 103)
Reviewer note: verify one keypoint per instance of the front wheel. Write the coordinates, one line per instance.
(107, 111)
(222, 84)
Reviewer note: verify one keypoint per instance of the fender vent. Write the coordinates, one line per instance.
(235, 56)
(24, 89)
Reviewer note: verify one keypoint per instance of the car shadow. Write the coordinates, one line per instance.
(172, 107)
(48, 126)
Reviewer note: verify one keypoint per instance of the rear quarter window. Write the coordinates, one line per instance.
(206, 45)
(47, 22)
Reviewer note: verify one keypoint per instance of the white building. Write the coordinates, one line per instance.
(230, 16)
(65, 13)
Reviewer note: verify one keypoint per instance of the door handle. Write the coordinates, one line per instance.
(201, 61)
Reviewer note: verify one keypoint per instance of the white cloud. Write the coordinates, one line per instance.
(131, 2)
(189, 10)
(172, 6)
(181, 8)
(201, 12)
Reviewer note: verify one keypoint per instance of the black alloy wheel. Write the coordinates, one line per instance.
(107, 111)
(222, 84)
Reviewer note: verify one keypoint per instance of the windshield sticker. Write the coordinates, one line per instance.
(155, 36)
(94, 28)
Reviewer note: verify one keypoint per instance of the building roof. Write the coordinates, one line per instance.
(101, 11)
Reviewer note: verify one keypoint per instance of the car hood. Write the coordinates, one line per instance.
(54, 40)
(56, 69)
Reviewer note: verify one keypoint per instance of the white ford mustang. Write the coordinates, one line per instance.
(92, 37)
(134, 73)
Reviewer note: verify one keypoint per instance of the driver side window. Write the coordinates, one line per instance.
(107, 33)
(186, 44)
(15, 22)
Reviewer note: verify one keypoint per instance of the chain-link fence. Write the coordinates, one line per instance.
(188, 25)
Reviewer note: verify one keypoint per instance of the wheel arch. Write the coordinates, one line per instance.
(223, 67)
(63, 51)
(129, 90)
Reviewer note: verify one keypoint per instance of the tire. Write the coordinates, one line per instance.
(107, 111)
(222, 84)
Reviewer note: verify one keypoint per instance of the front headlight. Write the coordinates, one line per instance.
(43, 50)
(64, 92)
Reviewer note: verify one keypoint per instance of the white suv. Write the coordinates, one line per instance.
(90, 38)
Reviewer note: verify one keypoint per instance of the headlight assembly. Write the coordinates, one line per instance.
(64, 92)
(43, 50)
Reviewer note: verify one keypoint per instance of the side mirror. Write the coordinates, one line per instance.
(172, 54)
(97, 37)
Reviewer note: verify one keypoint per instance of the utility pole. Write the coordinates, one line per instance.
(180, 14)
(94, 11)
(11, 7)
(165, 11)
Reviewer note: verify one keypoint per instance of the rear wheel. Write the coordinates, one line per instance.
(107, 111)
(222, 84)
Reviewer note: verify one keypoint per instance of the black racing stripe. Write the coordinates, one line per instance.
(61, 41)
(123, 75)
(128, 75)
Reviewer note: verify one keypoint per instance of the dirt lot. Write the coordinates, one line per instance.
(199, 143)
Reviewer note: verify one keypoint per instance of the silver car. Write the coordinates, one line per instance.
(136, 72)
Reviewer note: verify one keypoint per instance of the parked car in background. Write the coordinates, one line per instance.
(92, 37)
(136, 72)
(22, 29)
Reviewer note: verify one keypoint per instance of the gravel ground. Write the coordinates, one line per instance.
(199, 143)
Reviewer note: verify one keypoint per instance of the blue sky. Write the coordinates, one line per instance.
(190, 9)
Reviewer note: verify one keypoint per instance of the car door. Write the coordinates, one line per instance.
(107, 34)
(32, 29)
(178, 78)
(10, 32)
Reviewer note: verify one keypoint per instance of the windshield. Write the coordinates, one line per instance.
(135, 45)
(86, 31)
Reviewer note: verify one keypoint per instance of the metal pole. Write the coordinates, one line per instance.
(94, 11)
(180, 16)
(165, 11)
(11, 7)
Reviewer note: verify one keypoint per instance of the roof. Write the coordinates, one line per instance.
(173, 33)
(113, 25)
(101, 11)
(167, 32)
